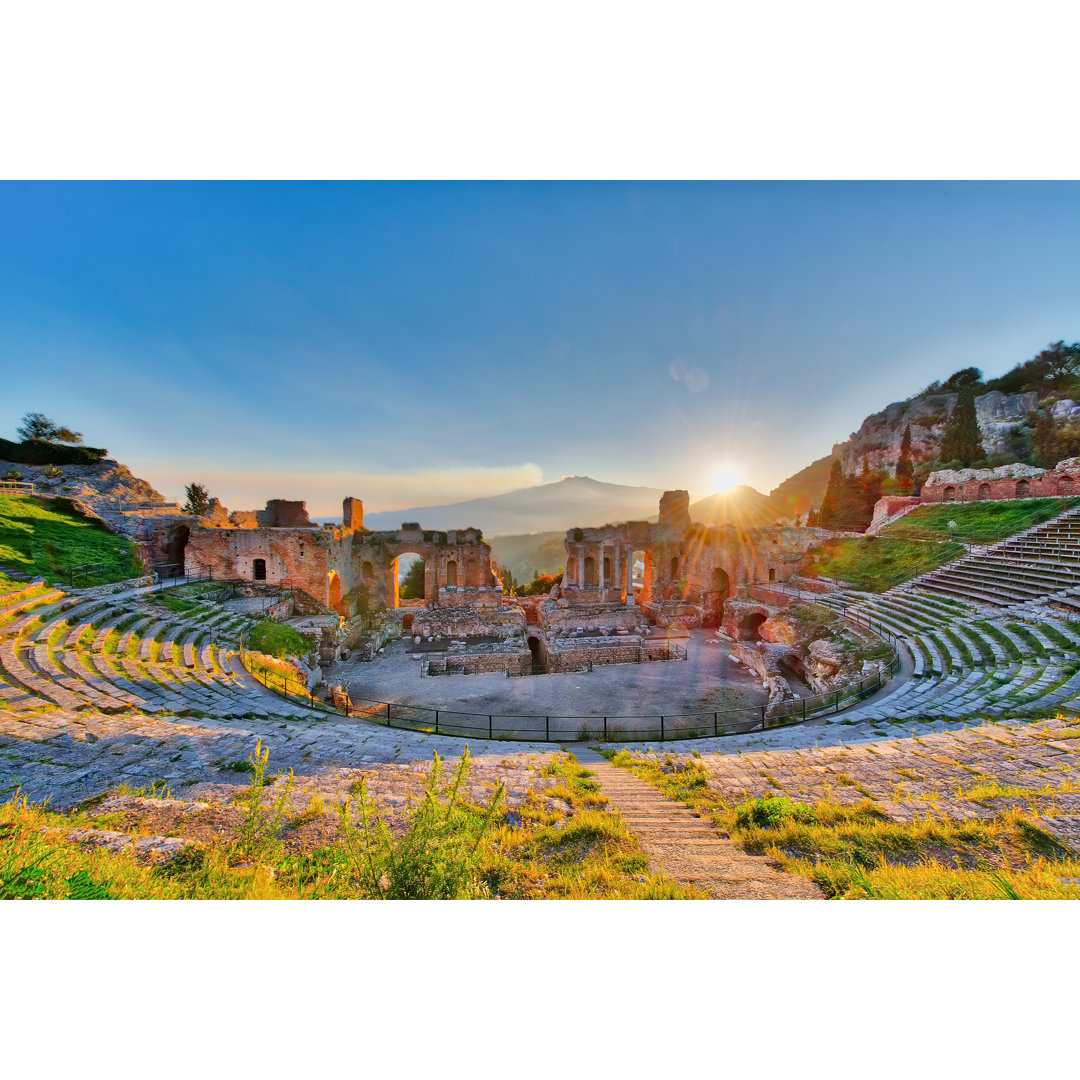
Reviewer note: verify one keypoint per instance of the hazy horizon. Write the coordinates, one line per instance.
(418, 344)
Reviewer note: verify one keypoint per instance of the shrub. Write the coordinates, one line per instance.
(38, 452)
(771, 812)
(437, 858)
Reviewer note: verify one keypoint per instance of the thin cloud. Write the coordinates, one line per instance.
(690, 375)
(322, 490)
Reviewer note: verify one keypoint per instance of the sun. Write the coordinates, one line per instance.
(724, 478)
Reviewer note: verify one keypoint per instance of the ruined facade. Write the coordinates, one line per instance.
(676, 569)
(1007, 482)
(346, 568)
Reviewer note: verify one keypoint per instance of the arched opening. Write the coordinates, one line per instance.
(772, 574)
(641, 576)
(675, 568)
(751, 626)
(1065, 485)
(949, 494)
(333, 591)
(539, 655)
(258, 570)
(367, 571)
(1023, 489)
(609, 572)
(984, 492)
(175, 547)
(408, 577)
(590, 571)
(719, 589)
(451, 574)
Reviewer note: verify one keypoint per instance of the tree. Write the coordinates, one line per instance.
(1046, 439)
(38, 426)
(962, 440)
(412, 584)
(969, 376)
(905, 467)
(198, 500)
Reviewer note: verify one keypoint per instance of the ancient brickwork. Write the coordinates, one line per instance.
(689, 568)
(1006, 482)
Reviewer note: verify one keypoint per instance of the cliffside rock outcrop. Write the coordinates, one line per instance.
(98, 487)
(878, 439)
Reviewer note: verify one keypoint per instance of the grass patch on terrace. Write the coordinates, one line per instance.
(278, 641)
(876, 563)
(48, 538)
(857, 852)
(562, 843)
(979, 522)
(10, 585)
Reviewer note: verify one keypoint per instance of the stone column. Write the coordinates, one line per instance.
(618, 568)
(581, 566)
(600, 567)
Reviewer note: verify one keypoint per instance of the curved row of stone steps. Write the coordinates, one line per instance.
(970, 665)
(1035, 564)
(114, 655)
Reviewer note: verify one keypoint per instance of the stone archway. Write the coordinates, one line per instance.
(984, 492)
(1023, 489)
(539, 652)
(333, 592)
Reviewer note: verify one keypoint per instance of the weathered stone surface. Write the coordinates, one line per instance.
(1015, 471)
(1014, 481)
(877, 442)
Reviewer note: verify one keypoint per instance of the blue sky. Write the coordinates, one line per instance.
(418, 343)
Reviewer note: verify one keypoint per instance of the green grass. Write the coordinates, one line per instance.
(857, 852)
(564, 845)
(875, 563)
(978, 522)
(48, 537)
(1026, 635)
(9, 585)
(278, 641)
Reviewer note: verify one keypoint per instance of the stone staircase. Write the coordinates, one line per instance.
(1042, 562)
(969, 660)
(116, 655)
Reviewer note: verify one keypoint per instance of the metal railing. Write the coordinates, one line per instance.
(172, 575)
(538, 727)
(16, 487)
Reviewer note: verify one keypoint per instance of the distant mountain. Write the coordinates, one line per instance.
(807, 487)
(528, 554)
(562, 505)
(742, 507)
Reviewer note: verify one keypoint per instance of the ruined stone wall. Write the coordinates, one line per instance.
(1007, 482)
(313, 561)
(560, 615)
(685, 562)
(467, 622)
(457, 566)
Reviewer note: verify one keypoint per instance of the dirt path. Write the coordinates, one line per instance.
(686, 848)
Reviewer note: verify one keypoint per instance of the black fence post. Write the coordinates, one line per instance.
(716, 723)
(661, 729)
(436, 721)
(605, 729)
(388, 714)
(489, 726)
(763, 707)
(547, 729)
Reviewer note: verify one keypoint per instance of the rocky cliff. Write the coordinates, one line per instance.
(99, 487)
(877, 441)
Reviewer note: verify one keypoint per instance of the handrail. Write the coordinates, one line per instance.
(705, 724)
